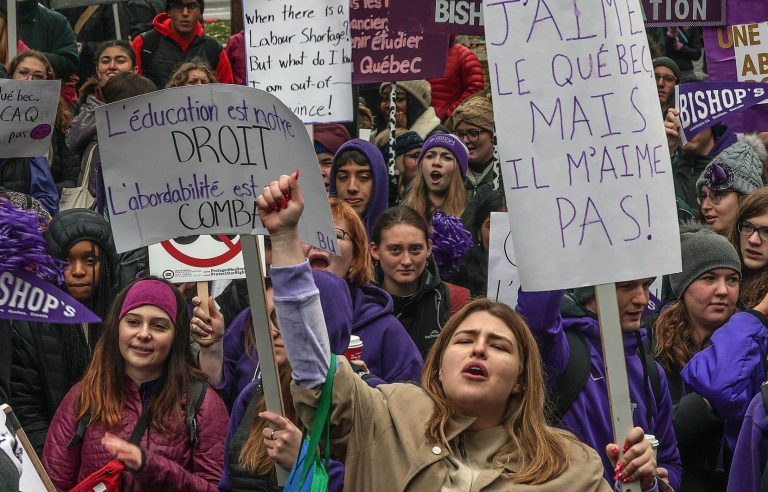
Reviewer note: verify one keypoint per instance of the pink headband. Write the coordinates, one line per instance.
(150, 293)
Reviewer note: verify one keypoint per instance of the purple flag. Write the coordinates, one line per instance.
(443, 16)
(381, 53)
(703, 104)
(25, 296)
(721, 59)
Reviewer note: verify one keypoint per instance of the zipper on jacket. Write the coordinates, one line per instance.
(462, 449)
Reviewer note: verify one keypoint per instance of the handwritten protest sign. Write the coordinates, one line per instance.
(204, 155)
(197, 258)
(302, 53)
(503, 278)
(381, 54)
(27, 113)
(723, 65)
(444, 16)
(702, 105)
(586, 156)
(33, 475)
(663, 13)
(26, 297)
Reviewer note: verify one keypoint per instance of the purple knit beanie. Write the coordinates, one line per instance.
(150, 292)
(451, 142)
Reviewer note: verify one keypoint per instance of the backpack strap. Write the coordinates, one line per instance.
(80, 432)
(573, 379)
(149, 47)
(195, 397)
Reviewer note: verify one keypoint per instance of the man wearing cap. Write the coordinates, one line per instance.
(178, 36)
(328, 137)
(668, 75)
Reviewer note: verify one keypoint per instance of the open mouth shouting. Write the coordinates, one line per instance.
(475, 371)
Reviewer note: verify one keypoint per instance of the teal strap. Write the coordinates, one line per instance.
(321, 425)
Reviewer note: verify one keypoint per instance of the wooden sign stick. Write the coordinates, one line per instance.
(615, 369)
(11, 24)
(270, 380)
(29, 452)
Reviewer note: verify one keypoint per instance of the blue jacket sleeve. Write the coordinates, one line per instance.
(42, 185)
(729, 372)
(541, 311)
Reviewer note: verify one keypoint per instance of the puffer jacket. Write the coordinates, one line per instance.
(170, 463)
(463, 77)
(589, 416)
(31, 176)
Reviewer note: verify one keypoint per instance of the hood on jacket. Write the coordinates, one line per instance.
(162, 23)
(83, 129)
(369, 303)
(380, 187)
(79, 224)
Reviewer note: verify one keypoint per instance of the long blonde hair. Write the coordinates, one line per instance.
(455, 199)
(542, 449)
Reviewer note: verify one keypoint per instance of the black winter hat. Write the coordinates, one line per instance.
(79, 224)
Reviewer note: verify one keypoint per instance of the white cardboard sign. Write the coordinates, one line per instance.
(586, 169)
(192, 160)
(750, 48)
(302, 53)
(503, 277)
(27, 113)
(30, 480)
(197, 259)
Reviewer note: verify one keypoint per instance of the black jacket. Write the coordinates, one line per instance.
(473, 272)
(65, 165)
(424, 313)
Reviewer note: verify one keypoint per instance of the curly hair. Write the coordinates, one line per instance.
(181, 75)
(675, 344)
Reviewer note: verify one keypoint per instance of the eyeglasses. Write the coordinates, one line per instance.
(746, 229)
(714, 196)
(470, 135)
(180, 6)
(25, 72)
(668, 79)
(341, 234)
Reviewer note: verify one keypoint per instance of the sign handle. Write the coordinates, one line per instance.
(12, 31)
(13, 422)
(202, 293)
(254, 277)
(615, 368)
(116, 16)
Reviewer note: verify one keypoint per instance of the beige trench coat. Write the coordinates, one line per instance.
(379, 434)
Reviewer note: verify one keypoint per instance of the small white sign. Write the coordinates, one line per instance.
(503, 277)
(197, 259)
(27, 114)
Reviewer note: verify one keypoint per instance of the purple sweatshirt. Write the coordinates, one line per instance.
(239, 368)
(589, 417)
(729, 372)
(751, 452)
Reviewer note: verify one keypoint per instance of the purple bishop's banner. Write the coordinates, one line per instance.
(24, 296)
(443, 16)
(725, 65)
(704, 104)
(664, 13)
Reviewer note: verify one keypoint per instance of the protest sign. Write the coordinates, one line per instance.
(26, 297)
(751, 65)
(585, 155)
(192, 160)
(503, 278)
(663, 13)
(301, 53)
(197, 259)
(702, 105)
(443, 16)
(33, 475)
(27, 112)
(384, 54)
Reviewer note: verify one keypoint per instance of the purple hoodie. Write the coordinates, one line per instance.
(335, 470)
(589, 417)
(728, 373)
(751, 452)
(239, 369)
(388, 350)
(378, 202)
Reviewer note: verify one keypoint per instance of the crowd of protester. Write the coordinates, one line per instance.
(451, 391)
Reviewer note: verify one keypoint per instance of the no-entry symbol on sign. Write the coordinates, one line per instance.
(197, 258)
(233, 249)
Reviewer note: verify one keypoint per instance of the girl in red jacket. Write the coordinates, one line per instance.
(141, 365)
